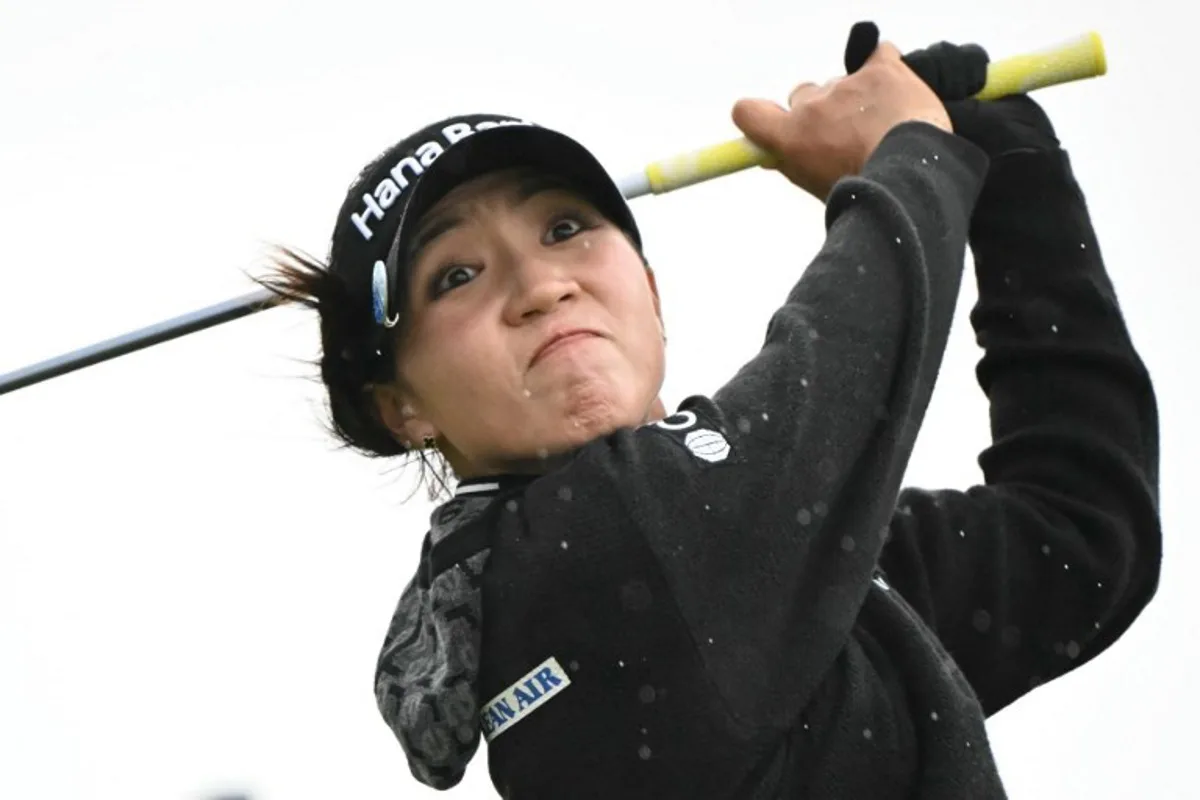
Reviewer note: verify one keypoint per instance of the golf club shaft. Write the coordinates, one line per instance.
(1077, 59)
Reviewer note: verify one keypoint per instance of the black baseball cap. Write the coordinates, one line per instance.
(374, 229)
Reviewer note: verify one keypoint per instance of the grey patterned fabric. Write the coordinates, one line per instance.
(425, 681)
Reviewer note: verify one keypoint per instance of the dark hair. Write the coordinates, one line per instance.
(354, 357)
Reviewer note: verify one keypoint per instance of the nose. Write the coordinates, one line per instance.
(539, 285)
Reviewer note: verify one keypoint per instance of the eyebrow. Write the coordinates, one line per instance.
(527, 188)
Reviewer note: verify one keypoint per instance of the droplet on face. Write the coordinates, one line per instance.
(543, 453)
(528, 393)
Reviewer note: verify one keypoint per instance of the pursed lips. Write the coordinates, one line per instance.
(561, 339)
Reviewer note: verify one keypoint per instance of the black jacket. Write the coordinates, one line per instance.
(739, 601)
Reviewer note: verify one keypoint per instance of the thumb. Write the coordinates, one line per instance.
(761, 121)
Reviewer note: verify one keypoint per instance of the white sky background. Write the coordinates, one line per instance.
(194, 584)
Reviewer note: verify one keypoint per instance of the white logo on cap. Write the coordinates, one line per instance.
(393, 186)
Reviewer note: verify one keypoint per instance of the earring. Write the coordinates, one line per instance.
(430, 443)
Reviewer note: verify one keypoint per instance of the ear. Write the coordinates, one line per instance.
(402, 417)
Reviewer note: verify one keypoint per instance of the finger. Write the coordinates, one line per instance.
(761, 121)
(884, 52)
(801, 92)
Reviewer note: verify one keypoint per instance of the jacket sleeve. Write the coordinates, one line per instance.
(764, 505)
(1041, 568)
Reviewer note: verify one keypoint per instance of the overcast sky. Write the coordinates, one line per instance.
(194, 583)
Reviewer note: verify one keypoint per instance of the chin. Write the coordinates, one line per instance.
(594, 409)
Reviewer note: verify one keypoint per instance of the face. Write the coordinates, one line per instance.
(535, 328)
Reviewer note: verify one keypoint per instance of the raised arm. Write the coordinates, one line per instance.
(1041, 568)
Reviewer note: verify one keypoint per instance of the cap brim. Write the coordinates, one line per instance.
(504, 148)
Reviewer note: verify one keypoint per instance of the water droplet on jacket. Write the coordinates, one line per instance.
(1073, 650)
(646, 694)
(804, 381)
(803, 516)
(511, 505)
(1066, 566)
(962, 534)
(710, 640)
(897, 240)
(853, 196)
(1046, 549)
(867, 733)
(933, 716)
(1083, 245)
(968, 745)
(862, 270)
(765, 416)
(621, 664)
(564, 493)
(1099, 585)
(1054, 329)
(573, 666)
(935, 156)
(644, 752)
(820, 509)
(981, 620)
(848, 544)
(543, 453)
(564, 545)
(743, 425)
(812, 334)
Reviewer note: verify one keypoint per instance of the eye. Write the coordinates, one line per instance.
(563, 229)
(452, 277)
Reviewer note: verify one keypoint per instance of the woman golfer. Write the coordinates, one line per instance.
(735, 598)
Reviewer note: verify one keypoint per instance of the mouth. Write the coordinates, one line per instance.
(560, 340)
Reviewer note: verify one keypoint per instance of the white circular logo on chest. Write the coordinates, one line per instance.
(707, 445)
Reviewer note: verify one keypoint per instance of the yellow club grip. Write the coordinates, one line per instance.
(703, 164)
(1071, 61)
